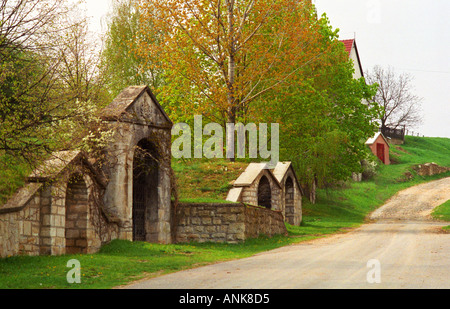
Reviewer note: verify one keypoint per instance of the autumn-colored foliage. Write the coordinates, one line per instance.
(218, 56)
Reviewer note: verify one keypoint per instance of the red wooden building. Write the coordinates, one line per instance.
(380, 147)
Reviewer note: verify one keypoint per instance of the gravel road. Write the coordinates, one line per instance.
(402, 247)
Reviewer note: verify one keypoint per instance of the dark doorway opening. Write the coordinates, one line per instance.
(264, 193)
(145, 190)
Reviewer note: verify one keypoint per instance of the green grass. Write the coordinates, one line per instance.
(442, 212)
(205, 181)
(346, 207)
(337, 210)
(13, 171)
(122, 261)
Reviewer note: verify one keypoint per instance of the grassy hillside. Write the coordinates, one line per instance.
(337, 209)
(209, 180)
(442, 212)
(205, 180)
(348, 205)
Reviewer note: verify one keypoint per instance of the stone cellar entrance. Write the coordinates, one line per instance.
(264, 193)
(145, 190)
(76, 215)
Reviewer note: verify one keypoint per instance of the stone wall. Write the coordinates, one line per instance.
(52, 222)
(76, 217)
(43, 220)
(234, 222)
(20, 230)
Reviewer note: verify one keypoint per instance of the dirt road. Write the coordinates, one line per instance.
(402, 248)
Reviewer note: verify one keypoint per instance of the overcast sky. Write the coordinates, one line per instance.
(411, 36)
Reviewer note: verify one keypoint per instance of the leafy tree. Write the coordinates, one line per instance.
(78, 65)
(46, 76)
(123, 67)
(323, 119)
(219, 56)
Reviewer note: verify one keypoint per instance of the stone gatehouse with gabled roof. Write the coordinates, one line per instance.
(74, 203)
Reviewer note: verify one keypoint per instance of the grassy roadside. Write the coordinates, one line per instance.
(442, 212)
(337, 210)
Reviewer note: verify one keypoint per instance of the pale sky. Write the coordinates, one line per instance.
(411, 36)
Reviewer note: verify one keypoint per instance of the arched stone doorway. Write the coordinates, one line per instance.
(264, 193)
(76, 215)
(145, 191)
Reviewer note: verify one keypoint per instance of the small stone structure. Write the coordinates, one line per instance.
(75, 204)
(138, 168)
(232, 223)
(277, 189)
(55, 213)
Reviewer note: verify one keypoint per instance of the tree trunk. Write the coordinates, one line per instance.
(312, 191)
(231, 110)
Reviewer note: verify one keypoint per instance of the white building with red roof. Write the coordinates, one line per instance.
(352, 49)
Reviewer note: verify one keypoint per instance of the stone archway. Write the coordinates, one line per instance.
(76, 215)
(145, 191)
(264, 193)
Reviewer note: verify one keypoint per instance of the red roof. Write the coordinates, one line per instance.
(348, 45)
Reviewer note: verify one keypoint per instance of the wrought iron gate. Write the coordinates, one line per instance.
(139, 202)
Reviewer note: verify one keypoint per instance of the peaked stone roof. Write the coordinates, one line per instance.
(54, 166)
(126, 98)
(281, 170)
(252, 172)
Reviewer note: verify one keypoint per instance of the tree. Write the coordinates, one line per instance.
(400, 106)
(123, 67)
(79, 64)
(25, 25)
(324, 120)
(219, 56)
(43, 80)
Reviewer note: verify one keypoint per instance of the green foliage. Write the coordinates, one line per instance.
(325, 118)
(13, 171)
(50, 87)
(123, 67)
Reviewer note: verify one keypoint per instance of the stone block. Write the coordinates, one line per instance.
(72, 233)
(206, 220)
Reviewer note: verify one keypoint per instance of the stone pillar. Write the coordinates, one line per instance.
(52, 232)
